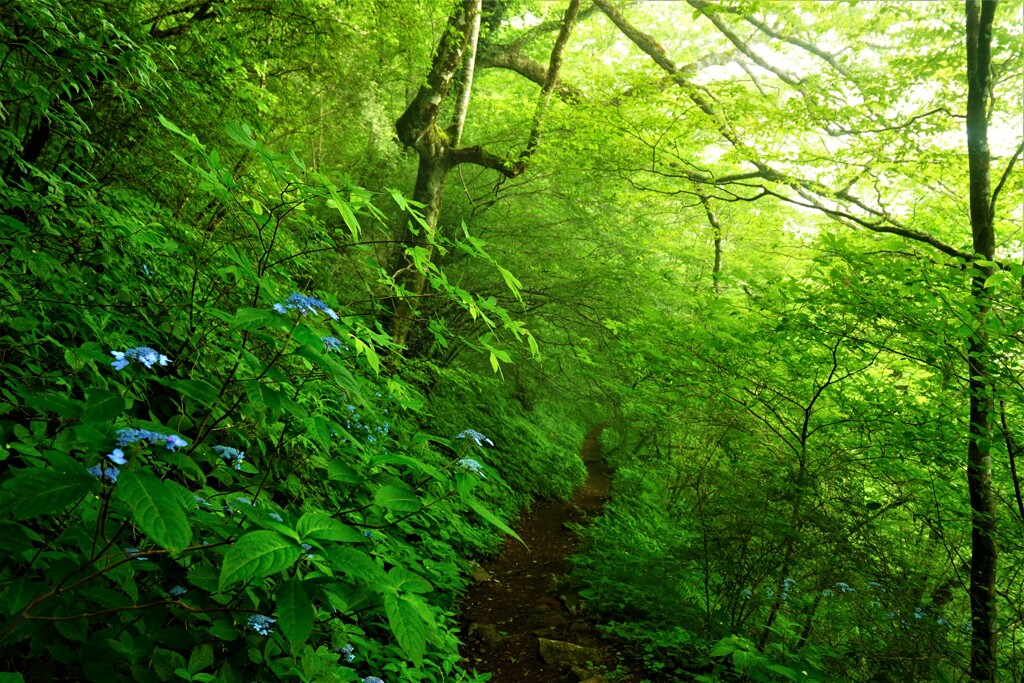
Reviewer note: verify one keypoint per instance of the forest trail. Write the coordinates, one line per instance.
(519, 621)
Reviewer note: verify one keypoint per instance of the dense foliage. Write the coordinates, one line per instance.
(304, 300)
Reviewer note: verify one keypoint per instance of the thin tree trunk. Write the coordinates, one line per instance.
(716, 227)
(982, 409)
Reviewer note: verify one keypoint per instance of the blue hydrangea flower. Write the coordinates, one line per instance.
(105, 473)
(126, 437)
(276, 517)
(143, 354)
(373, 679)
(232, 456)
(135, 554)
(261, 624)
(334, 344)
(368, 534)
(747, 593)
(827, 593)
(845, 587)
(877, 586)
(479, 438)
(305, 304)
(349, 652)
(117, 457)
(177, 591)
(919, 613)
(470, 465)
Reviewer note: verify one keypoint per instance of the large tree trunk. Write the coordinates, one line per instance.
(441, 150)
(418, 128)
(979, 460)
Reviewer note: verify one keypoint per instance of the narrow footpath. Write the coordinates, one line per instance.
(519, 620)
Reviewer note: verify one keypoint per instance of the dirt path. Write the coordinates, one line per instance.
(520, 606)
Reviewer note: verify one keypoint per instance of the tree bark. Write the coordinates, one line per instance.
(982, 589)
(439, 151)
(417, 127)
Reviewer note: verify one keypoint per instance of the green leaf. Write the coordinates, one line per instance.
(339, 471)
(257, 554)
(102, 405)
(479, 508)
(155, 508)
(6, 677)
(397, 498)
(295, 612)
(201, 658)
(258, 318)
(324, 528)
(404, 580)
(36, 492)
(408, 626)
(196, 389)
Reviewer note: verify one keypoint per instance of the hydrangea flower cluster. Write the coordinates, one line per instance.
(261, 624)
(143, 354)
(479, 438)
(787, 586)
(305, 304)
(135, 554)
(105, 473)
(470, 465)
(126, 437)
(354, 423)
(231, 456)
(177, 591)
(349, 653)
(334, 344)
(373, 679)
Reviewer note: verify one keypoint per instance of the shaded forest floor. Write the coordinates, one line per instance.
(520, 620)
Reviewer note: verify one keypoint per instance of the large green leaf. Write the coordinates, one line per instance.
(295, 612)
(101, 405)
(479, 508)
(36, 492)
(323, 528)
(404, 580)
(408, 626)
(397, 498)
(156, 508)
(258, 553)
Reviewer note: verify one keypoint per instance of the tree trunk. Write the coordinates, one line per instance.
(417, 127)
(440, 151)
(979, 460)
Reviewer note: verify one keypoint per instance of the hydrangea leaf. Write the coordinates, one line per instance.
(489, 516)
(257, 554)
(102, 405)
(295, 612)
(324, 528)
(397, 498)
(36, 492)
(408, 626)
(156, 508)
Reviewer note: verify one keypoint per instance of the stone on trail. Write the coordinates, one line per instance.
(566, 655)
